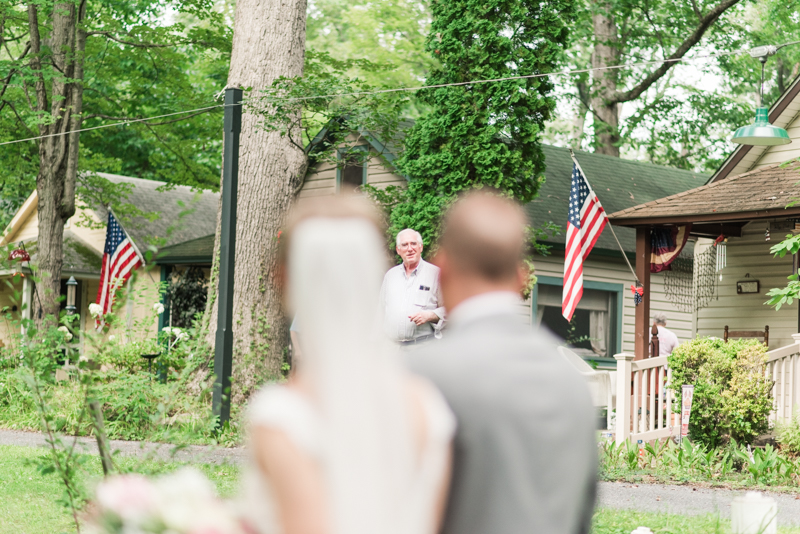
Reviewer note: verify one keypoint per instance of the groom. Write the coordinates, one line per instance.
(524, 453)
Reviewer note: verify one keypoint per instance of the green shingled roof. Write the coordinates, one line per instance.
(618, 183)
(199, 250)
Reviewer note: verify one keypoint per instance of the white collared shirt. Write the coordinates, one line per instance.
(484, 305)
(406, 294)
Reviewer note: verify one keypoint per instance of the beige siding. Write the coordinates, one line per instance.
(615, 271)
(778, 154)
(94, 237)
(379, 175)
(750, 254)
(321, 179)
(28, 230)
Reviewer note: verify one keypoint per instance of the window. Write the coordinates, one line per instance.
(352, 170)
(595, 328)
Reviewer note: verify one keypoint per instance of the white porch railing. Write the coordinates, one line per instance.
(782, 367)
(646, 415)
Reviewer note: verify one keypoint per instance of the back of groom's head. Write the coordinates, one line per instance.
(483, 236)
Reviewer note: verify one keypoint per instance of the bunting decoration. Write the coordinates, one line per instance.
(666, 244)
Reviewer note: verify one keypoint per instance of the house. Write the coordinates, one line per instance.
(184, 216)
(750, 202)
(746, 207)
(604, 322)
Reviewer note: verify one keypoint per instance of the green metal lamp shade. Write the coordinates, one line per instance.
(761, 133)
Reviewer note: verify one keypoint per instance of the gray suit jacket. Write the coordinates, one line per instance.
(525, 451)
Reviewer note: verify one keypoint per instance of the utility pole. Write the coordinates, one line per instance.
(223, 347)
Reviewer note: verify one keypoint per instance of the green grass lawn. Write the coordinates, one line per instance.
(608, 521)
(28, 500)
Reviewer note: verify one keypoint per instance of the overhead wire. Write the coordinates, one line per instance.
(406, 89)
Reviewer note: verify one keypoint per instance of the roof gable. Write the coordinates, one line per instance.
(184, 214)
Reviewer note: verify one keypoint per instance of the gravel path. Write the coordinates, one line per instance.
(687, 500)
(192, 453)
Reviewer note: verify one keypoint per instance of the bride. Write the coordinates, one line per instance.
(352, 443)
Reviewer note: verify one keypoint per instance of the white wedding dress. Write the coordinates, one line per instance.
(355, 422)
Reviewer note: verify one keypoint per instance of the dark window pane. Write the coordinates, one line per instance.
(553, 320)
(352, 173)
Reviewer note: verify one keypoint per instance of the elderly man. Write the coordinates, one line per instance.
(667, 340)
(410, 301)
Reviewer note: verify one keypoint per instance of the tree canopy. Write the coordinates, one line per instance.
(482, 134)
(142, 58)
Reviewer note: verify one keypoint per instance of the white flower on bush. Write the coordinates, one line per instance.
(159, 308)
(83, 359)
(67, 333)
(95, 310)
(177, 333)
(112, 337)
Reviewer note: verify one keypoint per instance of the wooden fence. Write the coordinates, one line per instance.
(647, 414)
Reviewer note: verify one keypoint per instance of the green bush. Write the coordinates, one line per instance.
(732, 397)
(788, 435)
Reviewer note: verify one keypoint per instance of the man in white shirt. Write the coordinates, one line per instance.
(410, 300)
(667, 340)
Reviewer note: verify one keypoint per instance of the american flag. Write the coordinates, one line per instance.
(120, 258)
(585, 223)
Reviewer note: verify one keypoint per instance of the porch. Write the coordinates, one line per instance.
(746, 214)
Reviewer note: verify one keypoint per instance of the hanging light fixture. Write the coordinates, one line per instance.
(761, 132)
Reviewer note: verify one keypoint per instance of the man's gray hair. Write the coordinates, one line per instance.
(401, 232)
(660, 318)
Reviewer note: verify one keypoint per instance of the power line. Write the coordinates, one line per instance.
(121, 123)
(418, 88)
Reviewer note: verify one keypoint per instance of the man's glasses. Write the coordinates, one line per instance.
(412, 244)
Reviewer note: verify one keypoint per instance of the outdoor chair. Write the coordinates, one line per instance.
(602, 384)
(747, 333)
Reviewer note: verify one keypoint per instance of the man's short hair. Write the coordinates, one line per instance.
(660, 318)
(485, 234)
(401, 232)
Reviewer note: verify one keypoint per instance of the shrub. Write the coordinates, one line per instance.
(731, 395)
(788, 435)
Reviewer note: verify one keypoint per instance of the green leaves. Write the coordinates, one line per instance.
(732, 397)
(789, 293)
(481, 134)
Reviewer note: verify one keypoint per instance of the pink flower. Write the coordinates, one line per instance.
(131, 497)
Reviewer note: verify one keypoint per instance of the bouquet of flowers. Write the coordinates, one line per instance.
(180, 503)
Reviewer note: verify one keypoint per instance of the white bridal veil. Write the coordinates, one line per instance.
(335, 268)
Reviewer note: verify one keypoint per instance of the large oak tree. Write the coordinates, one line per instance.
(268, 42)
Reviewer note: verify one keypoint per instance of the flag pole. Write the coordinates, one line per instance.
(610, 226)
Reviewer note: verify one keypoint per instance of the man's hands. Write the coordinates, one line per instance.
(423, 317)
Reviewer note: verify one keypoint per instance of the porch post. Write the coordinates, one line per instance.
(623, 406)
(642, 317)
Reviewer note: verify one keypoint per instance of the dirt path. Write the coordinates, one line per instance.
(687, 500)
(192, 453)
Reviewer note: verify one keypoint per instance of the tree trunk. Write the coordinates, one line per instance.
(268, 42)
(58, 155)
(604, 103)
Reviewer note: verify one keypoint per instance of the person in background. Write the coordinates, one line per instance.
(410, 299)
(525, 451)
(667, 340)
